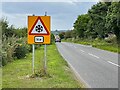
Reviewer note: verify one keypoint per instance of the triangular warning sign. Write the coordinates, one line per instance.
(39, 28)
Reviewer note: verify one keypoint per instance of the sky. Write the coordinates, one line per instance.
(63, 14)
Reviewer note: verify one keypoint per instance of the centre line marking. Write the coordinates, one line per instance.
(113, 63)
(93, 55)
(82, 51)
(75, 47)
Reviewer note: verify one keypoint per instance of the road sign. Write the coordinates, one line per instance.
(38, 29)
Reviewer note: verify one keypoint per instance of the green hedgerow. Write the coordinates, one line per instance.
(21, 51)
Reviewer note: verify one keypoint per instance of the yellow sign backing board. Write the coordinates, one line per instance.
(38, 29)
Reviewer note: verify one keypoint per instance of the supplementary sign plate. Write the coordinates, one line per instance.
(39, 39)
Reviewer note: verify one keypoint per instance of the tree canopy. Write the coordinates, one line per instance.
(103, 18)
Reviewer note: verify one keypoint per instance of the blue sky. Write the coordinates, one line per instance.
(63, 14)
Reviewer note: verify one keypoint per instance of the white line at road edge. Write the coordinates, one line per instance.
(113, 63)
(93, 55)
(88, 86)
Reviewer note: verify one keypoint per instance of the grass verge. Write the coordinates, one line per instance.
(101, 44)
(15, 74)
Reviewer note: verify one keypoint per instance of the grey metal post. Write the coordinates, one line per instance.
(33, 55)
(45, 56)
(45, 59)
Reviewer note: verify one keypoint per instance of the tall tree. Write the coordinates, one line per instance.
(68, 34)
(97, 15)
(113, 19)
(80, 25)
(62, 35)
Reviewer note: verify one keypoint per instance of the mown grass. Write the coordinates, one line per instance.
(15, 74)
(112, 48)
(101, 44)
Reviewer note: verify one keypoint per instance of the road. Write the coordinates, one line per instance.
(94, 67)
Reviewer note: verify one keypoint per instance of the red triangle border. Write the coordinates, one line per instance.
(39, 18)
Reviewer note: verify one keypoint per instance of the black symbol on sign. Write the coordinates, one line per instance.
(39, 39)
(39, 28)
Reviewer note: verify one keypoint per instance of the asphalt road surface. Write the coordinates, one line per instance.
(95, 68)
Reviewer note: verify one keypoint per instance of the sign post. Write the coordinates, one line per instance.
(39, 33)
(45, 56)
(33, 47)
(45, 59)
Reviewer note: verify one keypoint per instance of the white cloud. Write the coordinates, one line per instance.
(61, 18)
(19, 20)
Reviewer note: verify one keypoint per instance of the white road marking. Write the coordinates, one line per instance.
(85, 45)
(93, 55)
(113, 63)
(75, 47)
(76, 73)
(82, 51)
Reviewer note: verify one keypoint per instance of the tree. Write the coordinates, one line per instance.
(4, 25)
(68, 34)
(52, 38)
(61, 35)
(73, 34)
(97, 15)
(90, 32)
(20, 32)
(80, 25)
(113, 19)
(8, 31)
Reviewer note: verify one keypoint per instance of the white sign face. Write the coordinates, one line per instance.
(39, 28)
(39, 39)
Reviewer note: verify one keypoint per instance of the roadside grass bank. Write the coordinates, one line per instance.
(16, 74)
(101, 44)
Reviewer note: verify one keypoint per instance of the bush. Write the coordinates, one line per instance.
(21, 51)
(4, 58)
(8, 47)
(28, 47)
(52, 38)
(69, 39)
(111, 39)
